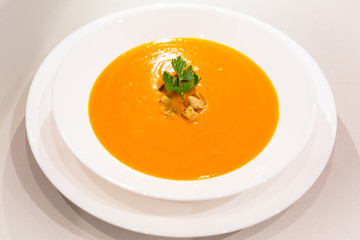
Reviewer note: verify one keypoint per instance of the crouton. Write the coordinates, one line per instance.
(173, 105)
(190, 114)
(196, 103)
(170, 113)
(170, 109)
(166, 100)
(198, 95)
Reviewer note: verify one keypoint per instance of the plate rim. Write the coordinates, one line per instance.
(39, 79)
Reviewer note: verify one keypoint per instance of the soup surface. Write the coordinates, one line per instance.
(240, 119)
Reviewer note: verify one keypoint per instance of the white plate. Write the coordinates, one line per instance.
(160, 217)
(114, 34)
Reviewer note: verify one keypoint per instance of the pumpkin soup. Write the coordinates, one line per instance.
(128, 114)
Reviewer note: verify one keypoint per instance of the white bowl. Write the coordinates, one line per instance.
(121, 31)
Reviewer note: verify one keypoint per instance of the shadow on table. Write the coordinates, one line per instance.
(63, 212)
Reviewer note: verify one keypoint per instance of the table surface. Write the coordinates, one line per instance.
(32, 208)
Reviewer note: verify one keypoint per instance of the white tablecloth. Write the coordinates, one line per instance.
(32, 208)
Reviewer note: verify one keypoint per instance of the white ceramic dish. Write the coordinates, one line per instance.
(114, 34)
(166, 218)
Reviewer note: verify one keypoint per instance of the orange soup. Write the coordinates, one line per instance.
(239, 121)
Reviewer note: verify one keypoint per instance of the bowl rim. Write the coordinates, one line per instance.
(110, 17)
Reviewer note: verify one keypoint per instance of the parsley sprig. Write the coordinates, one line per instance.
(186, 77)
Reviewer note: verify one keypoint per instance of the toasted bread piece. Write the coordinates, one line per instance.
(170, 113)
(166, 100)
(190, 114)
(196, 103)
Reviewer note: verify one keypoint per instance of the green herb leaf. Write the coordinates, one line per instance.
(169, 81)
(178, 90)
(187, 74)
(186, 77)
(196, 78)
(178, 65)
(186, 86)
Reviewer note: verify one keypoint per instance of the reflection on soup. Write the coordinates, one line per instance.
(127, 117)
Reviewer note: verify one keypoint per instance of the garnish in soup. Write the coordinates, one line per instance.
(233, 116)
(181, 83)
(184, 80)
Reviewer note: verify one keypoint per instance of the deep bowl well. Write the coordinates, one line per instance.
(114, 34)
